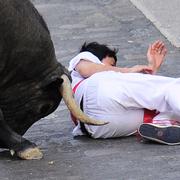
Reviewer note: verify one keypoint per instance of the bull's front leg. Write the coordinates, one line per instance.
(16, 143)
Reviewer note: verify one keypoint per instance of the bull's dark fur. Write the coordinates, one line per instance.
(29, 72)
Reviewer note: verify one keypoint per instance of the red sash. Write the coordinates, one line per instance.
(74, 90)
(149, 115)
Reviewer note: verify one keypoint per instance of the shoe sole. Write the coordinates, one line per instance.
(169, 135)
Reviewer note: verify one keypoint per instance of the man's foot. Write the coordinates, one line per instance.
(169, 135)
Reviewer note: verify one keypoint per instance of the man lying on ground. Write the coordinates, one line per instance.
(125, 96)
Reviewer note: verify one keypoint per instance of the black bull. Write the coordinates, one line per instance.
(30, 75)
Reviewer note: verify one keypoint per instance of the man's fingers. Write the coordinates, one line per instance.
(164, 51)
(158, 45)
(160, 49)
(155, 44)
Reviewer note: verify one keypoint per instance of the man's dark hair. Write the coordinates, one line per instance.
(99, 50)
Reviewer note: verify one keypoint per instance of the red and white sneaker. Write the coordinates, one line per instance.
(165, 134)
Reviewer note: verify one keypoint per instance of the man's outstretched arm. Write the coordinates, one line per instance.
(87, 68)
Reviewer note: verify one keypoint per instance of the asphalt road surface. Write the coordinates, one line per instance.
(119, 24)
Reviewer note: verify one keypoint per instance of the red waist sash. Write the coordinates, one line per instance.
(74, 90)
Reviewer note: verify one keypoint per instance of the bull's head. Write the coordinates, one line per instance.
(32, 82)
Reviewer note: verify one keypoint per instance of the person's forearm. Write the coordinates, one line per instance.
(92, 68)
(87, 68)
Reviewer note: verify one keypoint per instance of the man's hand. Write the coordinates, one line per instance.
(141, 69)
(156, 55)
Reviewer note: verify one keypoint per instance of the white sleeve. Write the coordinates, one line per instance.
(83, 55)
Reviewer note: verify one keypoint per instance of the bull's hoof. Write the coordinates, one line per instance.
(30, 153)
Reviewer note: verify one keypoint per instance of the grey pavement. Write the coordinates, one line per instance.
(120, 24)
(165, 15)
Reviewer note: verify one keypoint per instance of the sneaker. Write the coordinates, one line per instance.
(169, 135)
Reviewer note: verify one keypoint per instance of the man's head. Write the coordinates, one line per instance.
(102, 51)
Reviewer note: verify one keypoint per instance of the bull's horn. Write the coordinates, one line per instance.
(66, 92)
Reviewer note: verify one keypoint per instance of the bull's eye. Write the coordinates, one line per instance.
(45, 108)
